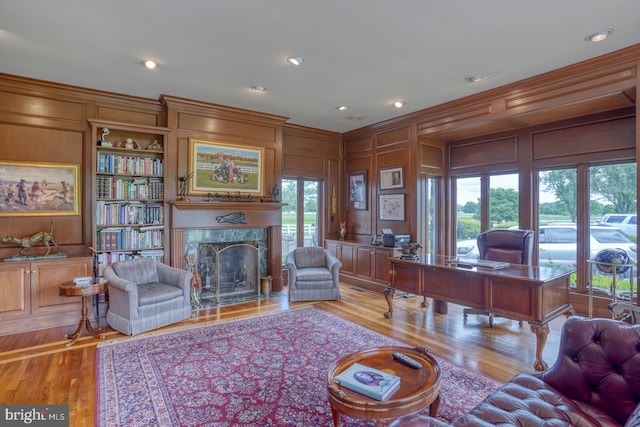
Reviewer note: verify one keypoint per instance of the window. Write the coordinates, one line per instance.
(300, 216)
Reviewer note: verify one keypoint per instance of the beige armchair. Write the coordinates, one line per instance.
(313, 274)
(145, 294)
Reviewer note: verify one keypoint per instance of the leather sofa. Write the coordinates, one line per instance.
(595, 381)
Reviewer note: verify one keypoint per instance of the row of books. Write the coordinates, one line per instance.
(128, 165)
(110, 213)
(104, 259)
(114, 187)
(115, 238)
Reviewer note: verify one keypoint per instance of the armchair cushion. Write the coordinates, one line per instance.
(309, 257)
(138, 271)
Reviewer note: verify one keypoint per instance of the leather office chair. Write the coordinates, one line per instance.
(513, 246)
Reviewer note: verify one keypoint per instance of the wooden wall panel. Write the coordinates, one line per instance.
(122, 115)
(592, 138)
(38, 106)
(490, 152)
(393, 137)
(431, 157)
(359, 146)
(227, 130)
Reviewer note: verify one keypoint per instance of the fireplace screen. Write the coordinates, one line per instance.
(230, 272)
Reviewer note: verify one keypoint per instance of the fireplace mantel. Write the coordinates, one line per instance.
(189, 206)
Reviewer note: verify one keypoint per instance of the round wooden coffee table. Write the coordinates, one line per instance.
(419, 388)
(71, 290)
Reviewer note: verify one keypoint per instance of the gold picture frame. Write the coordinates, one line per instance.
(39, 189)
(219, 167)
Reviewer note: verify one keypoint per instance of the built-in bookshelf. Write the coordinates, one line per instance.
(128, 204)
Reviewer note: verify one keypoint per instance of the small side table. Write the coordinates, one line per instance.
(71, 290)
(419, 388)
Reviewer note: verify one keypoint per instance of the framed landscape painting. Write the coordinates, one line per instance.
(39, 189)
(217, 167)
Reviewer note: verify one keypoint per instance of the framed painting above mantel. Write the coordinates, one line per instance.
(218, 167)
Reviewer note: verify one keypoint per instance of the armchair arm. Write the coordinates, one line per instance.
(123, 294)
(175, 277)
(292, 270)
(334, 265)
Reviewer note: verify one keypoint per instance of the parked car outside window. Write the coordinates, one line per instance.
(628, 223)
(558, 248)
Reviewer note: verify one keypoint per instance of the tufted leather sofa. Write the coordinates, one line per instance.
(595, 381)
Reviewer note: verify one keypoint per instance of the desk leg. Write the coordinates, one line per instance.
(541, 331)
(388, 295)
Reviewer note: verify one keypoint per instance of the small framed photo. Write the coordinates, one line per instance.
(392, 207)
(392, 178)
(357, 182)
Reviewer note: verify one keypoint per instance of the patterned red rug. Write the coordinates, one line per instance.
(268, 370)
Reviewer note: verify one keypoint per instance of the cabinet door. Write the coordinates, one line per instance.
(47, 275)
(363, 261)
(14, 289)
(347, 257)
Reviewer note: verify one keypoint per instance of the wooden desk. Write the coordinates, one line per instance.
(419, 388)
(533, 294)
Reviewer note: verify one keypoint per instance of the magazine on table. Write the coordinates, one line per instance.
(369, 381)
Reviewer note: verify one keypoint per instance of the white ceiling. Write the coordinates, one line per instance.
(361, 53)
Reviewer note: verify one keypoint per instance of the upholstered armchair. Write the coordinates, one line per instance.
(313, 274)
(511, 245)
(145, 294)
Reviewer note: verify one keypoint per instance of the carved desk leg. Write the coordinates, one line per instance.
(388, 295)
(541, 331)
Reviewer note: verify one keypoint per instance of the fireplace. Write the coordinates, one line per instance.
(231, 257)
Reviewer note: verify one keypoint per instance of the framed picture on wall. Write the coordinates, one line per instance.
(218, 167)
(392, 207)
(391, 178)
(357, 189)
(39, 189)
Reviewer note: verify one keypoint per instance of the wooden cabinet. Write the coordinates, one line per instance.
(128, 206)
(363, 265)
(29, 297)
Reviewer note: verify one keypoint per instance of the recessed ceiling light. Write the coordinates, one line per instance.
(474, 79)
(258, 88)
(600, 35)
(398, 104)
(150, 64)
(341, 108)
(295, 60)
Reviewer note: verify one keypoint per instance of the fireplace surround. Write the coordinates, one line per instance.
(231, 256)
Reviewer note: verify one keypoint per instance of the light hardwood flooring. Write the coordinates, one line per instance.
(37, 367)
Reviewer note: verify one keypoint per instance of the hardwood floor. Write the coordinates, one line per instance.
(37, 367)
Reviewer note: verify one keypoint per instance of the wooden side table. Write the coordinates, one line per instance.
(71, 290)
(419, 388)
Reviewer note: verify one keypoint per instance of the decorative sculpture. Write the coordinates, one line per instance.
(183, 182)
(410, 251)
(28, 242)
(343, 230)
(233, 218)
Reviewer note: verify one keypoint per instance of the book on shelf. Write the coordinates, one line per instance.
(369, 381)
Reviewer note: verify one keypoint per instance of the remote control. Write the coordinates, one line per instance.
(403, 358)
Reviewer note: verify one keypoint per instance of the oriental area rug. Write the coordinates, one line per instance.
(268, 370)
